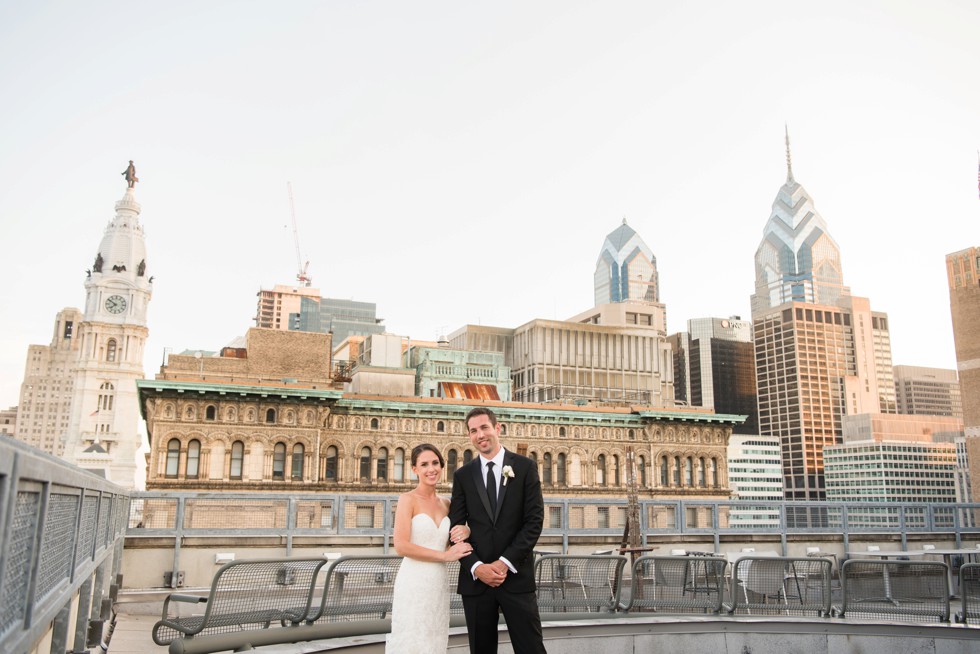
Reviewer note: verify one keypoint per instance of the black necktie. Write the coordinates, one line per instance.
(491, 488)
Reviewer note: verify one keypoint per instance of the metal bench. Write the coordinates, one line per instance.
(677, 584)
(357, 588)
(768, 585)
(245, 595)
(969, 612)
(572, 583)
(894, 590)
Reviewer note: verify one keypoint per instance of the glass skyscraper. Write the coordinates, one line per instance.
(626, 270)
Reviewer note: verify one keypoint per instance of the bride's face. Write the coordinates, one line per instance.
(428, 469)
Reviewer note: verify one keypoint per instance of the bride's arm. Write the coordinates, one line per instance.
(403, 537)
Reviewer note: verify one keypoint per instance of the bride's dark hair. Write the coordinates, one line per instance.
(427, 447)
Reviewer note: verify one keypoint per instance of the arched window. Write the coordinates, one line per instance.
(382, 466)
(399, 465)
(296, 469)
(331, 468)
(452, 462)
(546, 469)
(270, 415)
(631, 434)
(677, 471)
(688, 472)
(365, 471)
(193, 459)
(467, 456)
(534, 457)
(600, 470)
(641, 471)
(279, 461)
(210, 413)
(615, 471)
(714, 472)
(173, 458)
(561, 469)
(237, 458)
(375, 423)
(561, 432)
(440, 426)
(701, 472)
(110, 350)
(503, 429)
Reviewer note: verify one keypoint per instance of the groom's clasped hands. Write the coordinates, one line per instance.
(492, 574)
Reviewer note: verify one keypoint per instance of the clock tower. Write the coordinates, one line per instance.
(103, 434)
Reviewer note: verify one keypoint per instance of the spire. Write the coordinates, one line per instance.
(789, 158)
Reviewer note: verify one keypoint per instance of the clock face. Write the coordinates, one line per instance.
(115, 304)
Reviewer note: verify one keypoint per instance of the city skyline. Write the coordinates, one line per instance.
(466, 168)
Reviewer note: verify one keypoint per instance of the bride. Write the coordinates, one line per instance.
(420, 608)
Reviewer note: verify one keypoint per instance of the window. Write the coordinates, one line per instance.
(330, 473)
(440, 426)
(110, 350)
(279, 461)
(641, 471)
(193, 459)
(615, 471)
(600, 470)
(365, 468)
(210, 413)
(382, 466)
(631, 434)
(237, 457)
(677, 471)
(546, 471)
(561, 432)
(664, 472)
(398, 467)
(701, 472)
(561, 469)
(296, 470)
(173, 458)
(603, 517)
(270, 416)
(452, 462)
(467, 456)
(375, 423)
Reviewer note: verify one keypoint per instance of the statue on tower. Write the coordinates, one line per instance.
(130, 174)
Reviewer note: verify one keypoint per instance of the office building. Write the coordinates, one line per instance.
(821, 353)
(928, 391)
(755, 474)
(714, 366)
(44, 412)
(626, 270)
(8, 422)
(300, 308)
(963, 277)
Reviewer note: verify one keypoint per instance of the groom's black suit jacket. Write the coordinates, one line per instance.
(511, 533)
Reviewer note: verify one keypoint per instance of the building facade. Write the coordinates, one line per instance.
(8, 422)
(300, 308)
(714, 366)
(460, 374)
(44, 412)
(963, 277)
(277, 307)
(755, 474)
(821, 353)
(103, 432)
(928, 391)
(215, 426)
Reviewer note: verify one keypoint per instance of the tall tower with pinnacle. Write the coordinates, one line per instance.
(103, 434)
(820, 353)
(798, 260)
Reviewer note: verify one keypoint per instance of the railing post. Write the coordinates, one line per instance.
(901, 527)
(564, 520)
(81, 616)
(290, 524)
(178, 538)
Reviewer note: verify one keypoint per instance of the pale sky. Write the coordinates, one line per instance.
(459, 162)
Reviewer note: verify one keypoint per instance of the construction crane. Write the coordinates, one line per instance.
(303, 277)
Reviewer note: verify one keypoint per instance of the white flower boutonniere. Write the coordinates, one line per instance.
(507, 473)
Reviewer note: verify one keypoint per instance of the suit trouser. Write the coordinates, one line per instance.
(521, 613)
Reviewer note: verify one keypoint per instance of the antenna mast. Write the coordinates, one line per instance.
(302, 276)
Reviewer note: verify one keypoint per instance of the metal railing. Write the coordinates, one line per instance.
(61, 544)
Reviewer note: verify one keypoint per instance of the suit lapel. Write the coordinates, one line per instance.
(481, 486)
(502, 489)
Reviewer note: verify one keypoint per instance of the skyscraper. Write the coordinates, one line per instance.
(626, 270)
(820, 352)
(714, 366)
(963, 276)
(928, 391)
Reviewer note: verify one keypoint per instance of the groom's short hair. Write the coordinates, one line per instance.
(480, 411)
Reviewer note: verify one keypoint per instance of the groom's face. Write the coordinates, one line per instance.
(484, 435)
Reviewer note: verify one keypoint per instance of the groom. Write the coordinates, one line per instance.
(498, 495)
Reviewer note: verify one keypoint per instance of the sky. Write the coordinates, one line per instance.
(458, 162)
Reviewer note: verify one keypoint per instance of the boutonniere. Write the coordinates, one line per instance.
(507, 473)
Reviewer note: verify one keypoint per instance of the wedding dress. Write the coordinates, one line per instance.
(420, 607)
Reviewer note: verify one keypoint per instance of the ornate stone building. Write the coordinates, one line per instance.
(221, 423)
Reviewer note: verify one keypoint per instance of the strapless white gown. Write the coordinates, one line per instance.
(420, 606)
